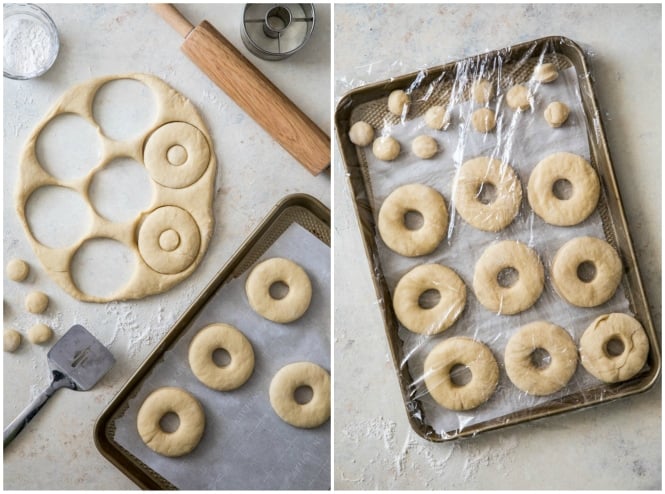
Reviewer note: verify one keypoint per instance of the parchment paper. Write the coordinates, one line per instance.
(521, 139)
(245, 444)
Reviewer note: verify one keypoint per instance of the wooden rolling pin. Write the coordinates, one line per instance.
(251, 90)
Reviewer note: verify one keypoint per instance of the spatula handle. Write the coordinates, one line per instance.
(17, 425)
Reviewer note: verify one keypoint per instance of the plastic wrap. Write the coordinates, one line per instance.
(520, 139)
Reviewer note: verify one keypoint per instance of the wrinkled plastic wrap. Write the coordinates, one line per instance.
(521, 139)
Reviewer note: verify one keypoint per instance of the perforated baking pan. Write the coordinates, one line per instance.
(300, 209)
(368, 103)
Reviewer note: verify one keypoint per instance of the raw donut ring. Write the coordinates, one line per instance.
(408, 198)
(176, 155)
(226, 337)
(518, 296)
(606, 366)
(585, 189)
(466, 352)
(472, 177)
(276, 270)
(283, 386)
(571, 257)
(416, 282)
(169, 240)
(189, 411)
(550, 377)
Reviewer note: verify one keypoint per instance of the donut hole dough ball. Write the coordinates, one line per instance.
(424, 147)
(11, 340)
(361, 134)
(442, 368)
(586, 271)
(36, 302)
(235, 371)
(482, 91)
(416, 312)
(545, 73)
(487, 193)
(190, 417)
(392, 223)
(556, 114)
(17, 270)
(386, 148)
(39, 333)
(540, 358)
(614, 347)
(576, 205)
(287, 308)
(483, 120)
(518, 98)
(514, 291)
(437, 118)
(287, 384)
(398, 102)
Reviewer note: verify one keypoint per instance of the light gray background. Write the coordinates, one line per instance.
(613, 446)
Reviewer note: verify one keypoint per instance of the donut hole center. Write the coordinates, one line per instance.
(562, 189)
(278, 290)
(170, 422)
(169, 240)
(486, 193)
(540, 358)
(507, 277)
(429, 299)
(303, 394)
(221, 357)
(460, 375)
(586, 271)
(614, 347)
(176, 155)
(413, 220)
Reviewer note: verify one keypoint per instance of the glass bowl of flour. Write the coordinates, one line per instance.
(31, 42)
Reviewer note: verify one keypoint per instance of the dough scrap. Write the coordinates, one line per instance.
(545, 73)
(556, 114)
(483, 120)
(437, 118)
(518, 97)
(424, 147)
(386, 148)
(17, 270)
(398, 102)
(482, 91)
(361, 134)
(36, 302)
(39, 333)
(11, 340)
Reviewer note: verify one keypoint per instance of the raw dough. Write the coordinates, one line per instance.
(437, 118)
(546, 72)
(176, 150)
(413, 198)
(283, 386)
(550, 376)
(518, 97)
(361, 134)
(465, 352)
(386, 148)
(226, 337)
(424, 147)
(17, 270)
(36, 302)
(398, 102)
(585, 189)
(12, 340)
(39, 333)
(523, 292)
(189, 411)
(501, 209)
(279, 270)
(482, 91)
(438, 318)
(483, 120)
(606, 365)
(556, 114)
(605, 262)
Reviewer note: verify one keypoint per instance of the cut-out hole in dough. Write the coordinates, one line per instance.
(176, 155)
(124, 108)
(429, 299)
(101, 266)
(121, 190)
(68, 147)
(414, 220)
(614, 347)
(540, 358)
(507, 277)
(460, 375)
(303, 394)
(57, 216)
(586, 271)
(562, 189)
(278, 290)
(486, 193)
(169, 422)
(221, 357)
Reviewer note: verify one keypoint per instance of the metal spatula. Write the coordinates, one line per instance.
(77, 361)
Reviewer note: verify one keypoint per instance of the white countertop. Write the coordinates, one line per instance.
(56, 450)
(612, 446)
